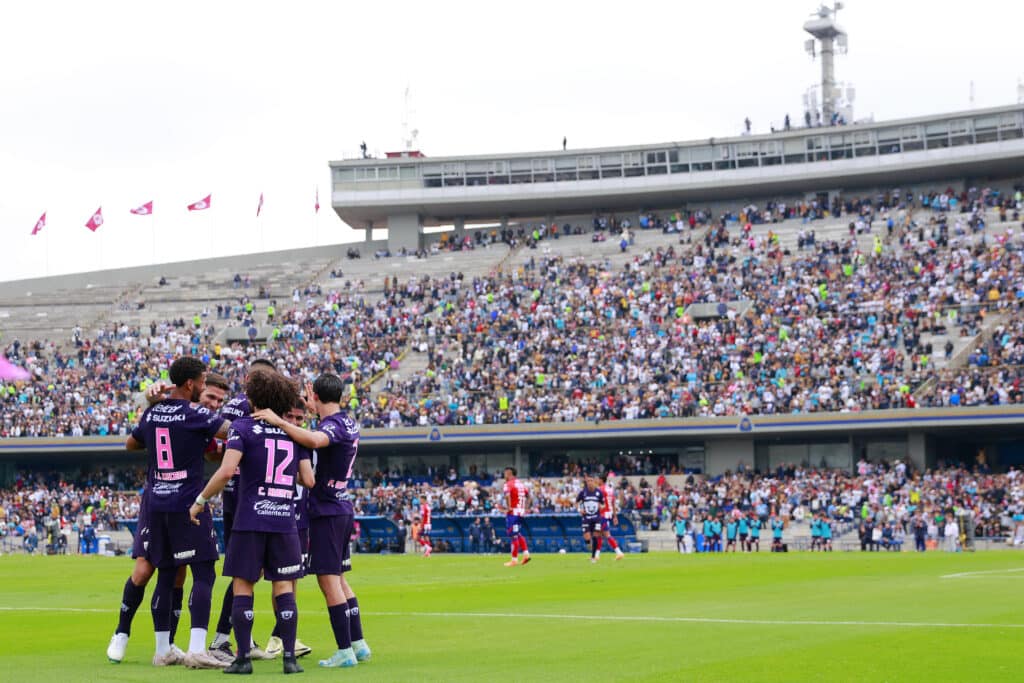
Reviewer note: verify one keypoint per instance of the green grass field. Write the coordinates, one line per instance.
(655, 617)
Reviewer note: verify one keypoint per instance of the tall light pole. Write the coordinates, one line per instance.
(822, 25)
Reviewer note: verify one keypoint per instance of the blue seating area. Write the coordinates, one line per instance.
(545, 533)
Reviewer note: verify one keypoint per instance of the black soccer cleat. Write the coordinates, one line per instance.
(291, 666)
(241, 665)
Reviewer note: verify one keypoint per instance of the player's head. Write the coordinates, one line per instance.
(328, 388)
(603, 477)
(590, 483)
(216, 391)
(188, 373)
(270, 390)
(297, 414)
(510, 473)
(262, 364)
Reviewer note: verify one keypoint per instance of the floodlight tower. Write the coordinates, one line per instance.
(822, 25)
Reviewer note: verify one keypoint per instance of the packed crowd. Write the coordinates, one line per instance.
(893, 498)
(825, 328)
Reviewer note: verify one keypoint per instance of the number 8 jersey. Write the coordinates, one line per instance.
(175, 435)
(268, 469)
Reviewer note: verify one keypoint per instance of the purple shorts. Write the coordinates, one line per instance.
(591, 525)
(140, 542)
(277, 557)
(304, 547)
(174, 540)
(514, 525)
(329, 539)
(229, 521)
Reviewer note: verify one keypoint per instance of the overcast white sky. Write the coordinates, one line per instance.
(118, 103)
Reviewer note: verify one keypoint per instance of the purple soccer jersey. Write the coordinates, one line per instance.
(301, 504)
(334, 463)
(232, 410)
(269, 467)
(592, 502)
(175, 435)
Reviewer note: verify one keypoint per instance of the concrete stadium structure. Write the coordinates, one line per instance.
(407, 193)
(704, 445)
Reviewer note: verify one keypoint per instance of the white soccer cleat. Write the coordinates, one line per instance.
(172, 658)
(275, 646)
(203, 660)
(118, 644)
(258, 653)
(178, 651)
(301, 649)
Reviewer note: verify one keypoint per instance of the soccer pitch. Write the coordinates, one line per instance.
(653, 617)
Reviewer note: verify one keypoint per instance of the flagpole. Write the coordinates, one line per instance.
(152, 228)
(47, 248)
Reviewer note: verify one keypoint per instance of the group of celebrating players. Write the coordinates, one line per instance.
(287, 513)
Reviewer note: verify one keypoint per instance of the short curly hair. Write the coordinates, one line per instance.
(268, 389)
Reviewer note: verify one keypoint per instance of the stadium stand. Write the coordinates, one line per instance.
(677, 315)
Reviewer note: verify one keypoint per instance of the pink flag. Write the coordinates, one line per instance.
(8, 371)
(40, 224)
(144, 210)
(259, 207)
(96, 220)
(201, 205)
(316, 206)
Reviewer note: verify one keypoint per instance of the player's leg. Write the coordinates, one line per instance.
(242, 620)
(327, 535)
(612, 543)
(131, 597)
(160, 606)
(221, 645)
(359, 645)
(199, 543)
(512, 528)
(177, 596)
(283, 564)
(524, 549)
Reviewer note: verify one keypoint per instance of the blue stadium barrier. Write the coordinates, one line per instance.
(548, 533)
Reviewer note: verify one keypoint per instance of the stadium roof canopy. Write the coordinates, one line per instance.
(406, 193)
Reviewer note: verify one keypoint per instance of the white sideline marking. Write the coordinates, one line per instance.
(52, 609)
(691, 620)
(963, 575)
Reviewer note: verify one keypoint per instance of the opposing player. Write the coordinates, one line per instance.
(331, 514)
(175, 436)
(212, 398)
(516, 497)
(425, 527)
(275, 645)
(589, 502)
(609, 517)
(731, 530)
(265, 539)
(815, 533)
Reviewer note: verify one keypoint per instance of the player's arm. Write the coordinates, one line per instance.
(133, 444)
(217, 482)
(157, 392)
(306, 477)
(304, 437)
